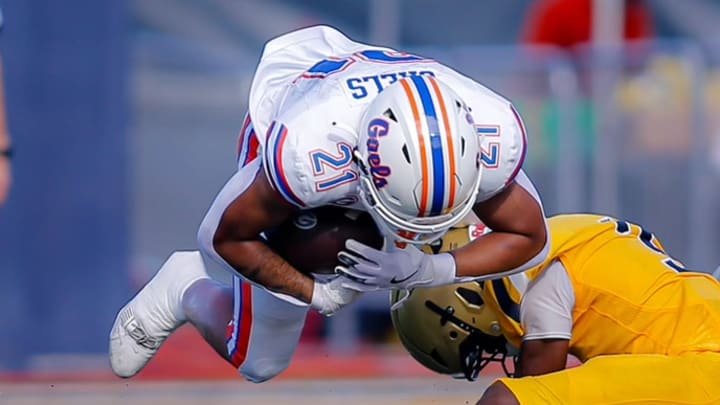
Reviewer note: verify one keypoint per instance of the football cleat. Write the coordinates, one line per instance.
(144, 323)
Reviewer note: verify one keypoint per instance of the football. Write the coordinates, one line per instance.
(311, 239)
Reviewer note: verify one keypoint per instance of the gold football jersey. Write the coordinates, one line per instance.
(630, 296)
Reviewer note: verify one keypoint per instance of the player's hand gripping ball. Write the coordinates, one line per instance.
(311, 239)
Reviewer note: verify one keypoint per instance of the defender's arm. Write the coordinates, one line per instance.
(547, 319)
(542, 356)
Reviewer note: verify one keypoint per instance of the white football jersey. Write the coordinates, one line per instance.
(309, 93)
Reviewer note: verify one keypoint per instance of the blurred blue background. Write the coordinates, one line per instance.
(125, 115)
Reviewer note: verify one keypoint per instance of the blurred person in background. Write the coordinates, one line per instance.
(645, 329)
(5, 144)
(336, 122)
(567, 23)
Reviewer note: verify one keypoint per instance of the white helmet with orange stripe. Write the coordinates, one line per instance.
(418, 153)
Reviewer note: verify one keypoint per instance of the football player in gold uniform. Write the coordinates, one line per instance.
(646, 330)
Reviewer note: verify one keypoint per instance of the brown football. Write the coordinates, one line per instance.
(311, 239)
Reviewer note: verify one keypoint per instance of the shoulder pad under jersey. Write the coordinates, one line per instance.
(504, 141)
(308, 156)
(503, 149)
(284, 59)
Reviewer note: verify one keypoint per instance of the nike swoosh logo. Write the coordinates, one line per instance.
(404, 279)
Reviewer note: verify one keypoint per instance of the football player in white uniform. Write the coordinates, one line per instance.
(336, 122)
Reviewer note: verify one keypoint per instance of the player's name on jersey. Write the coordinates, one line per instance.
(371, 85)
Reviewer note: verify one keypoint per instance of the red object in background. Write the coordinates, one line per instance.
(566, 23)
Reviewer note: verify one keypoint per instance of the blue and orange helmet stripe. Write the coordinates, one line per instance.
(436, 143)
(448, 134)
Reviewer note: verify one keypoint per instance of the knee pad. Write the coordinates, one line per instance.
(261, 370)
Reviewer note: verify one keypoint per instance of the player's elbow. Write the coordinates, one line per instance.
(540, 241)
(214, 243)
(538, 247)
(207, 237)
(533, 232)
(531, 249)
(223, 247)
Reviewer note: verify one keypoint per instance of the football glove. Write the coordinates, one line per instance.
(330, 296)
(364, 268)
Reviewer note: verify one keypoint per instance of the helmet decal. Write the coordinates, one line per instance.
(376, 129)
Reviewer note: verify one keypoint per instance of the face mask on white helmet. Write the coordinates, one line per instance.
(418, 154)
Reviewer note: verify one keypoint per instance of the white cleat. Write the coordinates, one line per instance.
(144, 323)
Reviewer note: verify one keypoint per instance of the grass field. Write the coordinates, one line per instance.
(389, 391)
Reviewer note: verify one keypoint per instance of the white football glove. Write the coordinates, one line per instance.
(367, 269)
(330, 296)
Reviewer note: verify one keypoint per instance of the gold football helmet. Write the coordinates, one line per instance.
(449, 329)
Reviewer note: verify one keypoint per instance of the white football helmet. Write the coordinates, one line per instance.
(418, 153)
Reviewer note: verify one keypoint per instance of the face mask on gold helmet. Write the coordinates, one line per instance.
(449, 329)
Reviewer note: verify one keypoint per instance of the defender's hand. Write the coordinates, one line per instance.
(368, 269)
